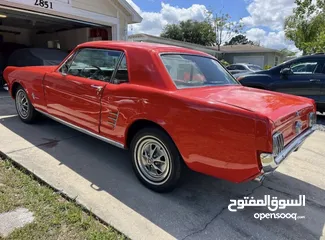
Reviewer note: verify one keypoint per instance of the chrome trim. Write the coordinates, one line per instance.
(5, 87)
(278, 143)
(270, 161)
(111, 118)
(112, 142)
(260, 178)
(312, 119)
(293, 145)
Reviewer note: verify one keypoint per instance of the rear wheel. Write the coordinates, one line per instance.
(25, 109)
(156, 160)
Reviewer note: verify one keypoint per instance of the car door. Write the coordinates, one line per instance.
(119, 104)
(303, 78)
(73, 93)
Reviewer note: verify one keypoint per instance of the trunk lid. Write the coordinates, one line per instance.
(282, 109)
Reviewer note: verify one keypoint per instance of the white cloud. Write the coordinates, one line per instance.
(268, 13)
(154, 22)
(275, 40)
(263, 13)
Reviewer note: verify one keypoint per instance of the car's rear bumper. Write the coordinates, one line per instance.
(271, 163)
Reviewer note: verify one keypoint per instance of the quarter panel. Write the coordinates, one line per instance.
(217, 140)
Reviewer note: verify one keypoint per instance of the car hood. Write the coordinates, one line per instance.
(273, 105)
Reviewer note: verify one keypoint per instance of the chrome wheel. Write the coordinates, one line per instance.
(153, 160)
(22, 104)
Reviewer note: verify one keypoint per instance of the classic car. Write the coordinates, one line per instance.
(138, 96)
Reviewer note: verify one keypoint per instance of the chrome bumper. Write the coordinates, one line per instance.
(271, 162)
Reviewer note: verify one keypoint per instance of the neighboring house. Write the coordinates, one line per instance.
(153, 39)
(232, 54)
(252, 54)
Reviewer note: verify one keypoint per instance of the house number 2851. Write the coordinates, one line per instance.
(44, 4)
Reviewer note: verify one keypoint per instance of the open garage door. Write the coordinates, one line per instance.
(38, 29)
(20, 29)
(256, 60)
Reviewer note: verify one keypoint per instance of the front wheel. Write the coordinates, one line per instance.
(156, 160)
(25, 109)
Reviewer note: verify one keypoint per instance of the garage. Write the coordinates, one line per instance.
(60, 25)
(256, 60)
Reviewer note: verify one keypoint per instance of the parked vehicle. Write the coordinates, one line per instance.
(23, 57)
(6, 49)
(243, 67)
(139, 96)
(303, 76)
(36, 57)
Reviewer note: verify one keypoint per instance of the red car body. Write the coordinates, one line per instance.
(220, 131)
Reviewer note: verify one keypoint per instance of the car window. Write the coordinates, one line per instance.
(231, 67)
(190, 71)
(255, 67)
(240, 67)
(122, 75)
(307, 67)
(97, 64)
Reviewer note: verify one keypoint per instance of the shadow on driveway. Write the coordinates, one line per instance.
(197, 209)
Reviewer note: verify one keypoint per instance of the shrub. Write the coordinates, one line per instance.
(224, 62)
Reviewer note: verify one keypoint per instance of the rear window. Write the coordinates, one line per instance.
(254, 67)
(191, 71)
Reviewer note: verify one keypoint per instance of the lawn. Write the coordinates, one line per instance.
(55, 217)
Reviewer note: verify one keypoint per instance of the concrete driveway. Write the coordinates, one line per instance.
(100, 177)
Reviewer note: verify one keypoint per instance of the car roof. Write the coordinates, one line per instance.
(244, 64)
(159, 48)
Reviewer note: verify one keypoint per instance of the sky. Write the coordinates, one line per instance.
(263, 19)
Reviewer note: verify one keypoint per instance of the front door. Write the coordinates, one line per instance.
(73, 93)
(305, 79)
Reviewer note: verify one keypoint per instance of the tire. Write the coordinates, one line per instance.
(24, 108)
(163, 174)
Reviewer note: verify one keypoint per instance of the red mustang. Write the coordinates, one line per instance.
(169, 106)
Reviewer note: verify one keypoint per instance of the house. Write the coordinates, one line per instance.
(64, 23)
(252, 54)
(153, 39)
(233, 54)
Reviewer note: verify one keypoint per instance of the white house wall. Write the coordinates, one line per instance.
(98, 6)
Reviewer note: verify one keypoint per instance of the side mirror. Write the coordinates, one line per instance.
(286, 71)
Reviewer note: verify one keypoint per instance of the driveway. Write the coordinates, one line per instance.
(100, 177)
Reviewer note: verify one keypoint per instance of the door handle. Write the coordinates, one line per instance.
(98, 88)
(314, 80)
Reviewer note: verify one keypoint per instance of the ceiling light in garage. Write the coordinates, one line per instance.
(3, 16)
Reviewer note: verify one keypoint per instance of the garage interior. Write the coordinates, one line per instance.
(45, 31)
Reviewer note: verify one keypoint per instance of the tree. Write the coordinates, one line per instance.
(305, 26)
(223, 26)
(287, 53)
(239, 39)
(191, 31)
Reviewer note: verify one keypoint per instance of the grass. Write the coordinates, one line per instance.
(55, 217)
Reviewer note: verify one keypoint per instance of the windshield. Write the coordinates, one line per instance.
(188, 71)
(254, 67)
